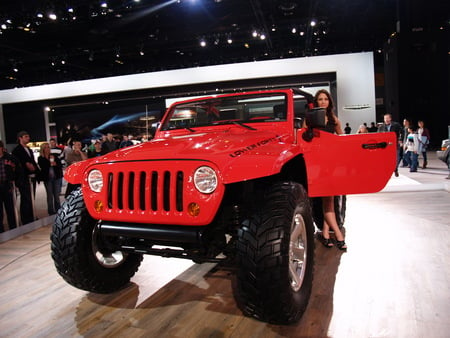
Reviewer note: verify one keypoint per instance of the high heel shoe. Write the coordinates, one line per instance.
(326, 242)
(341, 245)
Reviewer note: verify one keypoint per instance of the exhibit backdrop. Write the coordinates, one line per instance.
(355, 83)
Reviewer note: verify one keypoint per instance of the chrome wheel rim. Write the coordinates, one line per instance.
(297, 252)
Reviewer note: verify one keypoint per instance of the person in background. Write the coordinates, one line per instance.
(25, 176)
(7, 173)
(51, 174)
(362, 129)
(323, 99)
(412, 149)
(56, 150)
(109, 144)
(347, 129)
(97, 151)
(373, 128)
(424, 140)
(403, 136)
(126, 142)
(76, 155)
(390, 125)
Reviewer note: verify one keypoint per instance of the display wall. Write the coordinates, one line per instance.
(355, 87)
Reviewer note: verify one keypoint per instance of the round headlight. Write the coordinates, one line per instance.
(95, 180)
(205, 180)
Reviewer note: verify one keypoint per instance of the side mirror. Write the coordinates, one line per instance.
(315, 118)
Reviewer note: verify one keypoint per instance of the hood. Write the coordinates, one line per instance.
(237, 152)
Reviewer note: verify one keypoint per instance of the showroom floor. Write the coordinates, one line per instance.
(392, 282)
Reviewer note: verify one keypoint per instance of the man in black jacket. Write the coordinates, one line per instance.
(390, 125)
(26, 176)
(7, 171)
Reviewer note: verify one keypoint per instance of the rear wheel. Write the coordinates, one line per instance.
(276, 256)
(79, 258)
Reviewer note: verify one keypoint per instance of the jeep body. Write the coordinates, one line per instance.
(226, 177)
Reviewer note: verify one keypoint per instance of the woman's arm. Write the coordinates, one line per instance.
(338, 127)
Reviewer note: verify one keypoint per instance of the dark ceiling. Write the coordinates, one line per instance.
(88, 40)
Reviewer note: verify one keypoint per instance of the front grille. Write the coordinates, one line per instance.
(146, 190)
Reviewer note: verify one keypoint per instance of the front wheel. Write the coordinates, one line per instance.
(79, 258)
(276, 256)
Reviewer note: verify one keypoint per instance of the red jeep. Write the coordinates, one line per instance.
(226, 177)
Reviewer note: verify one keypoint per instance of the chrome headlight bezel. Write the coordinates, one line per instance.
(95, 180)
(205, 179)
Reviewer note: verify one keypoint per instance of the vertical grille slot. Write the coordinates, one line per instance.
(166, 191)
(131, 190)
(179, 191)
(110, 190)
(154, 191)
(142, 195)
(119, 191)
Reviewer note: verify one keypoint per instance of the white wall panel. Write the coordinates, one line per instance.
(354, 77)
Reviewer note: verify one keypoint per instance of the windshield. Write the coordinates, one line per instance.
(228, 110)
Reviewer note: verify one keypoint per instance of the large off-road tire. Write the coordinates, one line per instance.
(77, 256)
(275, 251)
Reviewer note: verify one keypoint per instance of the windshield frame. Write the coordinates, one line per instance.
(241, 109)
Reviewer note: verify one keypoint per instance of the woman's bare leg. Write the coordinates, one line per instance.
(330, 218)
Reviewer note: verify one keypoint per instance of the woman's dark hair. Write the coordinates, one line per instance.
(330, 108)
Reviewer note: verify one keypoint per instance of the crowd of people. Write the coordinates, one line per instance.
(22, 171)
(413, 140)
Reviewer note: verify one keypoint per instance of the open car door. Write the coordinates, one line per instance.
(349, 164)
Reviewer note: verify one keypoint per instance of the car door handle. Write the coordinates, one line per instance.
(375, 145)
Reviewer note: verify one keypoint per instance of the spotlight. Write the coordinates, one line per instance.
(203, 43)
(262, 36)
(52, 16)
(313, 23)
(294, 30)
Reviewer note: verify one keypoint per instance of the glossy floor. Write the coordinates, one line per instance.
(392, 282)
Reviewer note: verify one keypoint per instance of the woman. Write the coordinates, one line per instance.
(424, 140)
(323, 99)
(51, 174)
